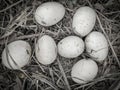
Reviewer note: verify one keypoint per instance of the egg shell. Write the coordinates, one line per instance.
(71, 47)
(16, 55)
(83, 21)
(84, 71)
(46, 50)
(96, 46)
(49, 13)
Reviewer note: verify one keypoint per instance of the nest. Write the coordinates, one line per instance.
(17, 22)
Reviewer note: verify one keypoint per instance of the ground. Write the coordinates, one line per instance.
(17, 22)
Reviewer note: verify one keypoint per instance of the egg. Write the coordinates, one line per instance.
(46, 50)
(70, 47)
(49, 13)
(97, 46)
(83, 21)
(16, 55)
(84, 70)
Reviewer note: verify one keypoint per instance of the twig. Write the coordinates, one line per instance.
(9, 32)
(12, 25)
(98, 11)
(115, 85)
(29, 77)
(108, 41)
(118, 36)
(27, 36)
(45, 79)
(64, 76)
(10, 6)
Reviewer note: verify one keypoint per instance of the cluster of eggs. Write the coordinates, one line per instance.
(17, 54)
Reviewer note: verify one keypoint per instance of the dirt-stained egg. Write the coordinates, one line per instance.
(96, 46)
(46, 50)
(84, 70)
(71, 47)
(49, 13)
(83, 21)
(16, 54)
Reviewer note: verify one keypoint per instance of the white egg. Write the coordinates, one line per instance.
(16, 55)
(49, 13)
(84, 71)
(71, 47)
(46, 50)
(83, 21)
(96, 46)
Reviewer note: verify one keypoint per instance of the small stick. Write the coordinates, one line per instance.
(64, 76)
(115, 85)
(108, 41)
(27, 36)
(10, 6)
